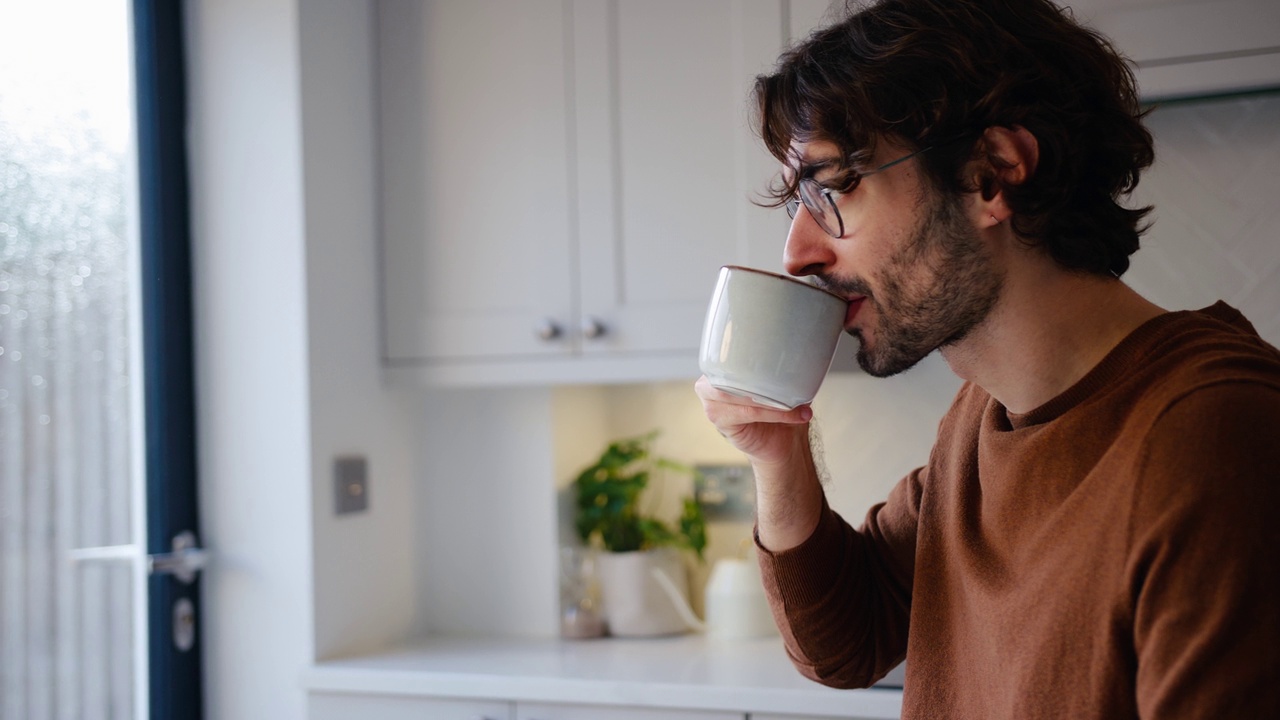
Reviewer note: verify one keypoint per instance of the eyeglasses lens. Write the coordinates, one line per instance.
(820, 206)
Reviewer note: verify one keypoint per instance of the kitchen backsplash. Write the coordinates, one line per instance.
(1214, 236)
(1216, 220)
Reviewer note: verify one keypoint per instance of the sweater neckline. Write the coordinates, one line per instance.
(1114, 365)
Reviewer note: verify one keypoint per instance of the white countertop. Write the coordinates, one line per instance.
(688, 671)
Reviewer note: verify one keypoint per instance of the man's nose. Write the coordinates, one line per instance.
(809, 249)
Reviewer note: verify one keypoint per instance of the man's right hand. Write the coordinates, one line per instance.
(776, 442)
(765, 434)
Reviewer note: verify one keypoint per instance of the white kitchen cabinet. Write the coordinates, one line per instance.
(1188, 48)
(774, 716)
(560, 188)
(342, 706)
(477, 222)
(558, 711)
(1180, 48)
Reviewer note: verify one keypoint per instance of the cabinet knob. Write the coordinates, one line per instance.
(592, 328)
(549, 330)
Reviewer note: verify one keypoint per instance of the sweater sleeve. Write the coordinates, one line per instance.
(842, 598)
(1203, 570)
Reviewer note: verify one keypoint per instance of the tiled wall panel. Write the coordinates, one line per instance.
(1216, 188)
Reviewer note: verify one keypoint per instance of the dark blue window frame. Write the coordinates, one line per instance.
(168, 358)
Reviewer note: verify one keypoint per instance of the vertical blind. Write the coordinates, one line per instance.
(67, 429)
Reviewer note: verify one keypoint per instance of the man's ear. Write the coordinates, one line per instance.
(1007, 158)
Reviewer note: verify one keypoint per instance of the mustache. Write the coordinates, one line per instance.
(842, 286)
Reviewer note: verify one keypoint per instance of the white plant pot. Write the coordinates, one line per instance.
(636, 603)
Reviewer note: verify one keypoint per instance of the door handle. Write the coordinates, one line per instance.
(185, 561)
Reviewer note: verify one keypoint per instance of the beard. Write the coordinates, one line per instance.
(934, 291)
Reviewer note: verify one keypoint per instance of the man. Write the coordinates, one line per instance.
(1091, 536)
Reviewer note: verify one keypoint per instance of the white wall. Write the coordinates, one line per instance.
(289, 372)
(252, 356)
(363, 571)
(485, 526)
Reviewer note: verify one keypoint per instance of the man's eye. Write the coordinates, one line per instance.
(844, 183)
(835, 191)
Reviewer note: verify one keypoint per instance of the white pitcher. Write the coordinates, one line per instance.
(736, 605)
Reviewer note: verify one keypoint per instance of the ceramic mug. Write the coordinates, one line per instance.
(769, 337)
(735, 601)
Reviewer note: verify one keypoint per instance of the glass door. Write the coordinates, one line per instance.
(98, 590)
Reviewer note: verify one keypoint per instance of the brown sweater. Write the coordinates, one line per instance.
(1110, 554)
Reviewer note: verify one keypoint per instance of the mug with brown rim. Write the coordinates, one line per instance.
(769, 337)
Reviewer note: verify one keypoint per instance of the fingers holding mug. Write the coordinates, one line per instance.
(734, 409)
(761, 432)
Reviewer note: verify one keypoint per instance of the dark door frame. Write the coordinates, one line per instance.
(168, 362)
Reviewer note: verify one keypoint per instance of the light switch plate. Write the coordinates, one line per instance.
(350, 484)
(726, 492)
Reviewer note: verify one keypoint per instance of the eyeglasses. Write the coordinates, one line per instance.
(821, 205)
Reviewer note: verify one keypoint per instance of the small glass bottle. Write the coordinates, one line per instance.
(581, 613)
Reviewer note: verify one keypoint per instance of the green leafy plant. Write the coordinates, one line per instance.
(608, 501)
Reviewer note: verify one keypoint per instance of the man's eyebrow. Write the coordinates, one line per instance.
(808, 169)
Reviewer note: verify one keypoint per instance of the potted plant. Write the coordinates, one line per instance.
(642, 575)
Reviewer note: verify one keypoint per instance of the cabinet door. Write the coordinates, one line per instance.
(338, 706)
(667, 163)
(475, 148)
(550, 711)
(1187, 48)
(774, 716)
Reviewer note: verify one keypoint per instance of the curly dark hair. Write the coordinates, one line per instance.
(935, 73)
